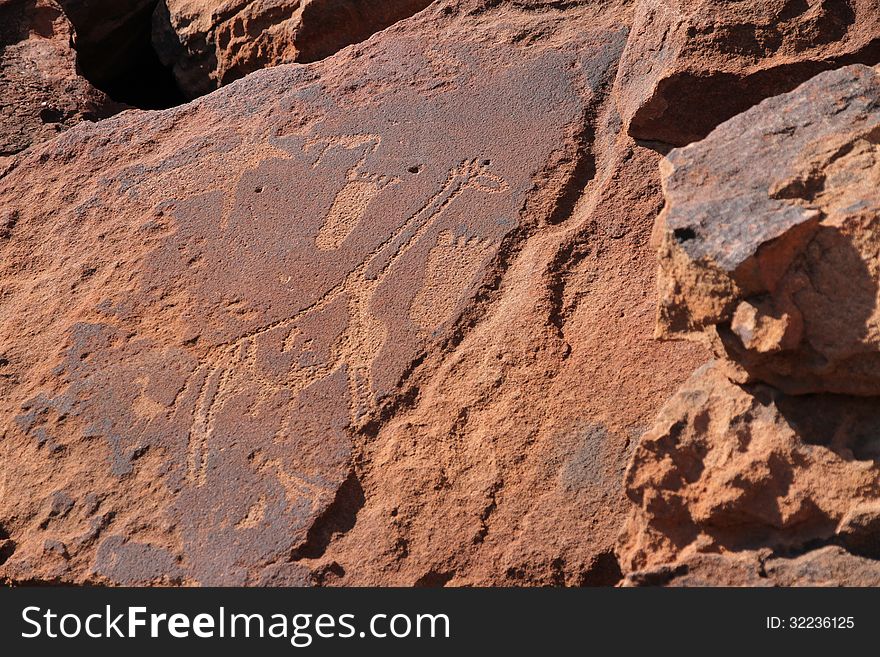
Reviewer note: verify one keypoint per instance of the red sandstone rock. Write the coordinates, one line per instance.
(209, 44)
(768, 248)
(691, 64)
(41, 92)
(385, 319)
(339, 323)
(770, 240)
(728, 469)
(826, 566)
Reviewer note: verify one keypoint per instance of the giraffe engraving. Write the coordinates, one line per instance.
(358, 344)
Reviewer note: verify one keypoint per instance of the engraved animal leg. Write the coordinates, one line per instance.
(213, 390)
(201, 426)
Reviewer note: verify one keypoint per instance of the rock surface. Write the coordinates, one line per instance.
(727, 469)
(385, 318)
(759, 472)
(340, 323)
(826, 566)
(209, 44)
(770, 237)
(41, 92)
(691, 64)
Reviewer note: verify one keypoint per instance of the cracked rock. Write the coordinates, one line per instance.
(41, 90)
(692, 64)
(770, 236)
(207, 45)
(728, 469)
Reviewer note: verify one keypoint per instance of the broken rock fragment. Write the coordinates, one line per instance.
(41, 90)
(691, 64)
(770, 235)
(763, 468)
(732, 469)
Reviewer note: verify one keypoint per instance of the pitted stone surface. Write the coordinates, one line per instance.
(249, 292)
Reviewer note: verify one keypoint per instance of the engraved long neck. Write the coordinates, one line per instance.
(390, 250)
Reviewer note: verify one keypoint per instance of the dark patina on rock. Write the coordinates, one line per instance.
(253, 290)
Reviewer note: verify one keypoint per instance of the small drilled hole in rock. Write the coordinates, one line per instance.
(684, 234)
(415, 169)
(258, 190)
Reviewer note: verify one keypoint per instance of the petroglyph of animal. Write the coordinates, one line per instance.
(359, 341)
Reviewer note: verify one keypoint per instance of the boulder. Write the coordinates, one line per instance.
(41, 91)
(692, 64)
(344, 322)
(769, 238)
(763, 469)
(749, 472)
(208, 45)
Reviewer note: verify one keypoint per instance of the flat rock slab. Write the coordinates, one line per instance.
(207, 299)
(770, 237)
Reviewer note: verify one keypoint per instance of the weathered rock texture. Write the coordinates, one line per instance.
(691, 64)
(824, 566)
(208, 44)
(384, 319)
(727, 469)
(41, 92)
(770, 237)
(769, 244)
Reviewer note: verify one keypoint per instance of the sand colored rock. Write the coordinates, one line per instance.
(41, 91)
(728, 470)
(209, 44)
(692, 64)
(759, 472)
(769, 238)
